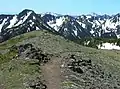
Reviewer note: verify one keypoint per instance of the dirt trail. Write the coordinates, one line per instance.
(52, 73)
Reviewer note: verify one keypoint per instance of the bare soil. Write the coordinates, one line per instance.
(52, 73)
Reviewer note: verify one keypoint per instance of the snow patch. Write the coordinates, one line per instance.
(60, 21)
(93, 25)
(20, 22)
(109, 46)
(31, 24)
(34, 17)
(88, 16)
(82, 24)
(65, 29)
(28, 30)
(101, 21)
(28, 14)
(118, 36)
(0, 19)
(1, 25)
(37, 28)
(86, 43)
(110, 25)
(54, 14)
(97, 22)
(75, 31)
(92, 31)
(12, 22)
(30, 21)
(56, 23)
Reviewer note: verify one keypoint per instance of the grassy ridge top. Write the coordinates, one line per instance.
(53, 44)
(57, 44)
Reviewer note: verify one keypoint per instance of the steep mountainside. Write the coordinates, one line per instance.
(83, 29)
(25, 21)
(85, 25)
(71, 27)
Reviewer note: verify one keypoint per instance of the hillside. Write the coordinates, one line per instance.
(40, 59)
(83, 29)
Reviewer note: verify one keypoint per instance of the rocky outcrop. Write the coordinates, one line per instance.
(28, 51)
(37, 84)
(90, 75)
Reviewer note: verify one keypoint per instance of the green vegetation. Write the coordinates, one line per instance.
(94, 42)
(15, 40)
(7, 56)
(16, 74)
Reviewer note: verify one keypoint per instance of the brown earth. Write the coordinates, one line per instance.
(52, 73)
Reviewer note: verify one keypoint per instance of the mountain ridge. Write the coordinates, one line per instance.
(71, 66)
(71, 27)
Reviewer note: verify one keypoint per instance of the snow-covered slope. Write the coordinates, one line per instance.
(25, 21)
(95, 25)
(71, 27)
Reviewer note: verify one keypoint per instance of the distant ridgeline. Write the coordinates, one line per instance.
(89, 30)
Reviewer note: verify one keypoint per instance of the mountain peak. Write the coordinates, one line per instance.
(27, 10)
(93, 25)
